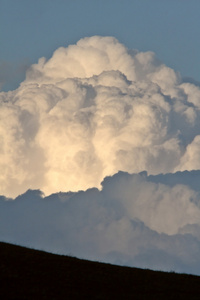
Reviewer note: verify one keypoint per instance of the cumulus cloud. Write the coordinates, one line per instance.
(92, 109)
(132, 221)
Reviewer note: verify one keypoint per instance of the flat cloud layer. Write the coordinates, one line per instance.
(91, 110)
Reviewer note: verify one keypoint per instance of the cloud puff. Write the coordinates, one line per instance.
(92, 109)
(132, 221)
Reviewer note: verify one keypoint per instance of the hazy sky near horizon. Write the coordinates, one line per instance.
(32, 29)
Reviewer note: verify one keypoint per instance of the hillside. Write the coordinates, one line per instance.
(32, 274)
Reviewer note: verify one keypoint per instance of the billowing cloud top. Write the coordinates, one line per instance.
(92, 109)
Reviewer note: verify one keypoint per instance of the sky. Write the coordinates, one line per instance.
(100, 130)
(32, 29)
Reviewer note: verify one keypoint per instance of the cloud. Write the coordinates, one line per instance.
(91, 110)
(131, 221)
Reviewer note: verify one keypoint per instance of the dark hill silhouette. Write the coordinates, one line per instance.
(33, 274)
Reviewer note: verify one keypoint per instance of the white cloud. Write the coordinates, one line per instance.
(91, 110)
(95, 108)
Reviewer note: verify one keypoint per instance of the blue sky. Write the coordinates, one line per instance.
(32, 29)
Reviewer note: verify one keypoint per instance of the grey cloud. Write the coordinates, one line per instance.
(123, 223)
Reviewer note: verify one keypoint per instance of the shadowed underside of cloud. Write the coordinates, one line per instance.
(132, 221)
(91, 110)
